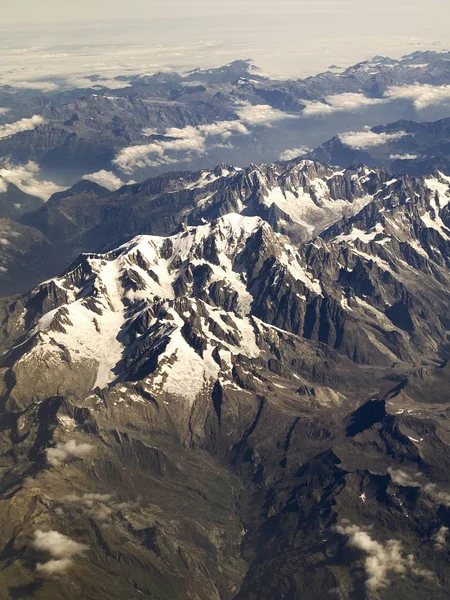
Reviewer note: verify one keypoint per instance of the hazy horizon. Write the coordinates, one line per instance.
(287, 39)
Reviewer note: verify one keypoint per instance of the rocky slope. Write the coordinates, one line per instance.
(300, 198)
(252, 407)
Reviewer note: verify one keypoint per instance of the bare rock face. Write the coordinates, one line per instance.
(227, 412)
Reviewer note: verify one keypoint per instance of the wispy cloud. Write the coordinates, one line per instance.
(3, 111)
(99, 506)
(22, 125)
(347, 102)
(106, 179)
(382, 559)
(294, 153)
(360, 140)
(64, 452)
(25, 177)
(406, 480)
(178, 144)
(422, 95)
(60, 547)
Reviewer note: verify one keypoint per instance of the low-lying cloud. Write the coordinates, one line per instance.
(64, 452)
(182, 144)
(382, 559)
(262, 114)
(347, 102)
(360, 140)
(177, 145)
(25, 177)
(10, 129)
(106, 179)
(421, 95)
(404, 156)
(294, 153)
(60, 547)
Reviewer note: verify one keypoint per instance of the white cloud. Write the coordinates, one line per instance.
(106, 179)
(422, 95)
(262, 114)
(403, 156)
(60, 547)
(63, 452)
(54, 566)
(21, 125)
(57, 544)
(346, 102)
(361, 140)
(294, 153)
(382, 559)
(180, 143)
(3, 111)
(25, 178)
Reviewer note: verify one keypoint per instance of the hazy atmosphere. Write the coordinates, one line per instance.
(283, 38)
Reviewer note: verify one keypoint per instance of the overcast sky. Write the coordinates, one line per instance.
(288, 37)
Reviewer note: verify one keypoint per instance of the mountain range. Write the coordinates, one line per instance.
(236, 391)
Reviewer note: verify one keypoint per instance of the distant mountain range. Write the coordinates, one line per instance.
(405, 147)
(158, 121)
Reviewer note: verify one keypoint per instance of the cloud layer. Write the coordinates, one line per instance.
(182, 144)
(25, 178)
(346, 102)
(422, 95)
(360, 140)
(21, 125)
(177, 145)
